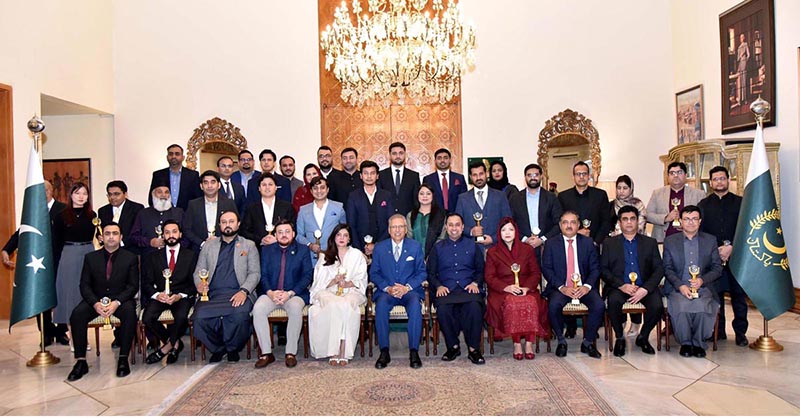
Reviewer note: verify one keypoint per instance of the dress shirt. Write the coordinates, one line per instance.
(269, 210)
(116, 211)
(441, 173)
(631, 259)
(246, 178)
(371, 196)
(485, 194)
(174, 186)
(402, 169)
(319, 213)
(50, 204)
(577, 265)
(211, 213)
(227, 187)
(326, 174)
(177, 249)
(532, 201)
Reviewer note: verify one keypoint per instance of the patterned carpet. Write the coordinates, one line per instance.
(504, 386)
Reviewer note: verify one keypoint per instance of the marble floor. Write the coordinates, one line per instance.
(730, 381)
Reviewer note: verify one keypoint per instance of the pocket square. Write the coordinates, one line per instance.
(410, 258)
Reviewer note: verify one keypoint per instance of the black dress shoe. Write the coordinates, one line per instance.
(561, 350)
(48, 341)
(172, 356)
(686, 351)
(570, 332)
(62, 339)
(645, 345)
(415, 361)
(451, 354)
(720, 336)
(590, 350)
(216, 357)
(114, 344)
(619, 347)
(78, 370)
(476, 357)
(698, 352)
(123, 368)
(155, 357)
(233, 357)
(741, 340)
(383, 359)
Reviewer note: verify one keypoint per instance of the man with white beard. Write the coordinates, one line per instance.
(144, 233)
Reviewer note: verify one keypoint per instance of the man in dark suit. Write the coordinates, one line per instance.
(625, 257)
(443, 179)
(267, 158)
(590, 203)
(109, 282)
(246, 170)
(286, 273)
(287, 166)
(535, 210)
(178, 299)
(197, 224)
(267, 211)
(400, 181)
(342, 183)
(368, 210)
(144, 231)
(120, 210)
(182, 181)
(230, 188)
(397, 271)
(325, 161)
(490, 203)
(565, 258)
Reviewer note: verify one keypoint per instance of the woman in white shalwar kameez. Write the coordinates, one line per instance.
(333, 320)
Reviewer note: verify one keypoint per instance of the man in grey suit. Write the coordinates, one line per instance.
(660, 210)
(222, 323)
(320, 215)
(691, 265)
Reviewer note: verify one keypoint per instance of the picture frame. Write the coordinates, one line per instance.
(690, 115)
(747, 63)
(63, 173)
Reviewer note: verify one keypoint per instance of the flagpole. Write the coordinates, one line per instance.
(42, 357)
(765, 342)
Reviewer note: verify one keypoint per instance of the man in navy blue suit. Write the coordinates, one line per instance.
(443, 179)
(564, 258)
(246, 170)
(397, 271)
(368, 209)
(230, 188)
(490, 203)
(182, 181)
(267, 158)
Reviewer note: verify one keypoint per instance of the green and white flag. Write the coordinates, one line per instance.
(759, 260)
(34, 278)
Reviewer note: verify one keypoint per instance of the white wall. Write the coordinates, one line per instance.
(695, 44)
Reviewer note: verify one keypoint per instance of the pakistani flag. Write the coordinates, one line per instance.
(34, 278)
(759, 261)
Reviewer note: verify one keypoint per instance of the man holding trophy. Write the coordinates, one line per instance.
(482, 207)
(691, 265)
(665, 203)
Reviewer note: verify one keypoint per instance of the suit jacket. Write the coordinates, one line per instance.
(239, 196)
(307, 224)
(612, 262)
(409, 269)
(195, 227)
(357, 211)
(284, 191)
(495, 208)
(674, 262)
(190, 186)
(341, 184)
(129, 211)
(402, 202)
(294, 183)
(659, 207)
(123, 283)
(236, 177)
(245, 263)
(181, 280)
(254, 225)
(549, 213)
(592, 205)
(456, 185)
(554, 263)
(13, 240)
(298, 272)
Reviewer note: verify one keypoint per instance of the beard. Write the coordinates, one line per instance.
(171, 241)
(162, 205)
(533, 184)
(229, 232)
(326, 165)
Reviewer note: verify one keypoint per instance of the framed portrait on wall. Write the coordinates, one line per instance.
(689, 114)
(63, 173)
(747, 54)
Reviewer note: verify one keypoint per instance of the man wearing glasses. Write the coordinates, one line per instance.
(246, 170)
(590, 203)
(666, 202)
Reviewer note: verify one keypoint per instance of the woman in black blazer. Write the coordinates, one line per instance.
(426, 220)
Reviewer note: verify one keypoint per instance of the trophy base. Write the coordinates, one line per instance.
(203, 298)
(107, 327)
(480, 239)
(576, 301)
(42, 359)
(766, 343)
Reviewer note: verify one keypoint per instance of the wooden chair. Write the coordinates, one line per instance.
(165, 319)
(97, 324)
(627, 308)
(193, 343)
(398, 313)
(280, 316)
(665, 317)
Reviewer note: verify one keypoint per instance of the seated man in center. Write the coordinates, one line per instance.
(455, 271)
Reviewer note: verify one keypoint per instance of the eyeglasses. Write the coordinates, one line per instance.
(581, 174)
(226, 166)
(675, 173)
(245, 159)
(691, 220)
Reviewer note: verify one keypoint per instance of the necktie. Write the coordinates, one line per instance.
(228, 191)
(109, 266)
(397, 180)
(396, 253)
(445, 191)
(172, 259)
(570, 263)
(480, 199)
(283, 269)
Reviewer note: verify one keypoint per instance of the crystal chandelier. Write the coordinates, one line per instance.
(398, 50)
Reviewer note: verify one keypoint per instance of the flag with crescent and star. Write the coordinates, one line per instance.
(34, 278)
(759, 260)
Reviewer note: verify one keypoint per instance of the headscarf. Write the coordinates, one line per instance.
(303, 194)
(514, 253)
(503, 182)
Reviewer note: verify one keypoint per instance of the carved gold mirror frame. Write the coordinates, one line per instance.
(213, 131)
(569, 128)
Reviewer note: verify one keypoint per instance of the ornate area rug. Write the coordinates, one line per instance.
(504, 386)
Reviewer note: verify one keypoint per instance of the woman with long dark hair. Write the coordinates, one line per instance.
(498, 179)
(303, 194)
(426, 220)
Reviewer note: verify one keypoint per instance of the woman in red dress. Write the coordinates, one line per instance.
(303, 196)
(516, 310)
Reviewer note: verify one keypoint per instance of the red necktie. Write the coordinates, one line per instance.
(109, 266)
(283, 269)
(570, 263)
(172, 259)
(444, 189)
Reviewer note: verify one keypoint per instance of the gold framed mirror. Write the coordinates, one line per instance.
(567, 138)
(212, 139)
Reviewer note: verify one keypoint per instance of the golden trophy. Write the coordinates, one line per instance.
(98, 232)
(586, 223)
(269, 228)
(203, 274)
(515, 269)
(633, 276)
(105, 301)
(478, 217)
(675, 202)
(576, 281)
(726, 242)
(317, 236)
(339, 289)
(167, 273)
(694, 271)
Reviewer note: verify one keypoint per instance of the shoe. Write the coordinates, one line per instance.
(698, 352)
(590, 350)
(265, 360)
(518, 356)
(476, 357)
(216, 357)
(530, 356)
(178, 347)
(156, 356)
(686, 351)
(570, 332)
(123, 368)
(114, 344)
(619, 347)
(48, 342)
(645, 345)
(291, 360)
(62, 339)
(383, 359)
(233, 357)
(451, 354)
(172, 356)
(78, 370)
(414, 360)
(343, 362)
(741, 340)
(561, 350)
(332, 362)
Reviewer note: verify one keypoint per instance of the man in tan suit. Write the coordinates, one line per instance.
(660, 210)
